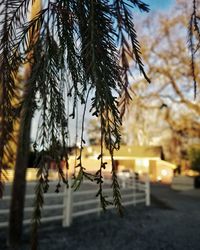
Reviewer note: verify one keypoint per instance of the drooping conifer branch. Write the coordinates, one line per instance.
(79, 37)
(9, 96)
(194, 42)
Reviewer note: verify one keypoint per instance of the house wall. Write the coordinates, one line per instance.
(90, 165)
(152, 170)
(164, 171)
(158, 170)
(126, 164)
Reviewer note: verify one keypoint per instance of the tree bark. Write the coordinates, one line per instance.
(19, 182)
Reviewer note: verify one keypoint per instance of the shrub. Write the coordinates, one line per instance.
(194, 157)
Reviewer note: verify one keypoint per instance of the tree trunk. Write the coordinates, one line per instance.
(19, 182)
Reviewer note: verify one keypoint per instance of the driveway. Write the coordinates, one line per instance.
(184, 201)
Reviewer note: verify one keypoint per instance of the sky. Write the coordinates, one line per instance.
(159, 4)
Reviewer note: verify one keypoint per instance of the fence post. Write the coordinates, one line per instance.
(67, 205)
(147, 190)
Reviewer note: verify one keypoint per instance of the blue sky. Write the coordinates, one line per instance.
(159, 4)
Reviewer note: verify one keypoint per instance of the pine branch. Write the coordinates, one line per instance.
(8, 93)
(84, 42)
(128, 44)
(40, 189)
(99, 174)
(193, 29)
(82, 173)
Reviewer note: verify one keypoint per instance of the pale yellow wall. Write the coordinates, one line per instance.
(90, 165)
(165, 171)
(153, 170)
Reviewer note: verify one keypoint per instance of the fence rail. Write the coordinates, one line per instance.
(67, 204)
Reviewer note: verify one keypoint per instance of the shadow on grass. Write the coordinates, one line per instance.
(160, 204)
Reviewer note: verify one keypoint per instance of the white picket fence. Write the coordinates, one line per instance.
(67, 204)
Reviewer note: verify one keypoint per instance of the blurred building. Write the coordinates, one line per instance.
(134, 159)
(138, 159)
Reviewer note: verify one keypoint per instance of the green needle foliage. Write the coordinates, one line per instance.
(83, 47)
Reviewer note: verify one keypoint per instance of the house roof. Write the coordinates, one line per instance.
(128, 152)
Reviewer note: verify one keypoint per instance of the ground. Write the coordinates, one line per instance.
(171, 222)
